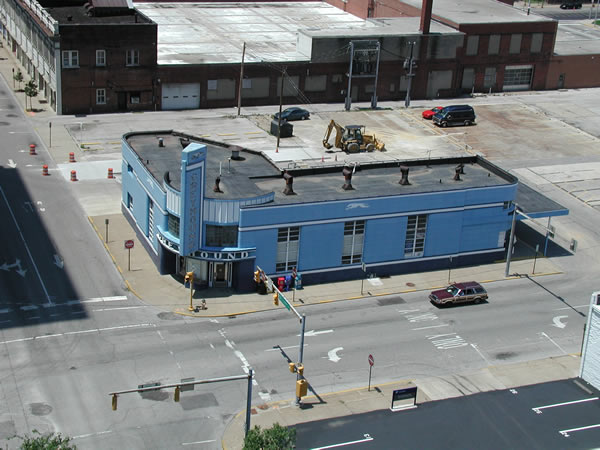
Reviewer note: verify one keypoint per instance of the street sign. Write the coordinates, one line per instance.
(129, 243)
(284, 301)
(364, 267)
(371, 360)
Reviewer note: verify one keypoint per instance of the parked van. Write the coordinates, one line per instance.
(455, 115)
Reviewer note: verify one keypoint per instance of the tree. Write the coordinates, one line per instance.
(274, 438)
(49, 441)
(18, 77)
(30, 91)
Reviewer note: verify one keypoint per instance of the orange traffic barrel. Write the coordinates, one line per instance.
(73, 175)
(32, 149)
(71, 157)
(110, 173)
(45, 170)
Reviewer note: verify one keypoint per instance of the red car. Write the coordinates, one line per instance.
(430, 112)
(469, 291)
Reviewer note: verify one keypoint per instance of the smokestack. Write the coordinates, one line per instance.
(404, 180)
(426, 16)
(457, 172)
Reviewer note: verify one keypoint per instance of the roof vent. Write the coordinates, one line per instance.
(347, 178)
(235, 153)
(161, 142)
(217, 187)
(461, 167)
(404, 180)
(184, 142)
(289, 184)
(69, 18)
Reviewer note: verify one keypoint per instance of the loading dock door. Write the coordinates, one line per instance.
(180, 96)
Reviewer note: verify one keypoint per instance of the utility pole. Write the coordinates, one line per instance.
(241, 80)
(409, 65)
(348, 103)
(283, 72)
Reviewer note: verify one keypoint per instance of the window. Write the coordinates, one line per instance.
(70, 58)
(100, 58)
(101, 96)
(133, 58)
(211, 85)
(468, 80)
(415, 235)
(129, 201)
(354, 233)
(494, 44)
(221, 236)
(489, 79)
(173, 225)
(134, 97)
(515, 44)
(536, 42)
(472, 45)
(517, 77)
(129, 169)
(287, 248)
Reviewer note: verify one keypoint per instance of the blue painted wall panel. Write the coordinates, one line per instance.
(444, 233)
(384, 239)
(265, 242)
(321, 246)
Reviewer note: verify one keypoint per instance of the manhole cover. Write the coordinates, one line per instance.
(409, 284)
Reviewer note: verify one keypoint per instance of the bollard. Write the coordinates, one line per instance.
(71, 157)
(110, 173)
(45, 170)
(73, 175)
(32, 149)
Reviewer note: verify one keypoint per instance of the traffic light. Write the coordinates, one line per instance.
(189, 279)
(276, 299)
(300, 369)
(177, 392)
(301, 388)
(257, 276)
(114, 402)
(292, 367)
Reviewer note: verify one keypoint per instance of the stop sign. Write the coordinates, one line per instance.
(129, 243)
(371, 360)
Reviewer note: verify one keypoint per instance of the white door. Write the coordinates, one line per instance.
(180, 96)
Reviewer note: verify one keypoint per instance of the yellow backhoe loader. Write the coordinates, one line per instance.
(352, 138)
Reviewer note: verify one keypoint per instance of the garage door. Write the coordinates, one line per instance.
(180, 96)
(517, 78)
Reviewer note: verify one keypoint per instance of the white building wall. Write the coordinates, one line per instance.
(590, 358)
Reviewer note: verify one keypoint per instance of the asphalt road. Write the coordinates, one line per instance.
(555, 415)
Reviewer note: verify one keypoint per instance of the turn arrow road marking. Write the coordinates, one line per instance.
(332, 354)
(315, 333)
(558, 323)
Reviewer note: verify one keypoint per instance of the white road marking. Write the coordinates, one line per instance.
(565, 433)
(538, 409)
(67, 333)
(119, 308)
(315, 333)
(343, 444)
(332, 354)
(12, 164)
(6, 321)
(479, 352)
(28, 307)
(454, 341)
(26, 246)
(571, 307)
(551, 340)
(5, 310)
(283, 348)
(428, 316)
(198, 442)
(105, 299)
(558, 323)
(91, 434)
(404, 311)
(33, 318)
(432, 326)
(213, 320)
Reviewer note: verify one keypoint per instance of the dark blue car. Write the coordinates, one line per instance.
(293, 113)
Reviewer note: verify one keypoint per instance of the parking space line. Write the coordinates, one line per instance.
(538, 409)
(342, 444)
(565, 433)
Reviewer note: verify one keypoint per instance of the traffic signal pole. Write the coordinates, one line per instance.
(300, 376)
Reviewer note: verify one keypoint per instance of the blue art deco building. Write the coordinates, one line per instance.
(220, 211)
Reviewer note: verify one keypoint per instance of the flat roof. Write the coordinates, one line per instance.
(393, 26)
(536, 205)
(254, 174)
(211, 33)
(77, 15)
(478, 11)
(575, 38)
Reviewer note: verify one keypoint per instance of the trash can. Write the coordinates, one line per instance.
(287, 129)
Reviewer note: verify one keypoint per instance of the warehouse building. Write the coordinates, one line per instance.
(220, 211)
